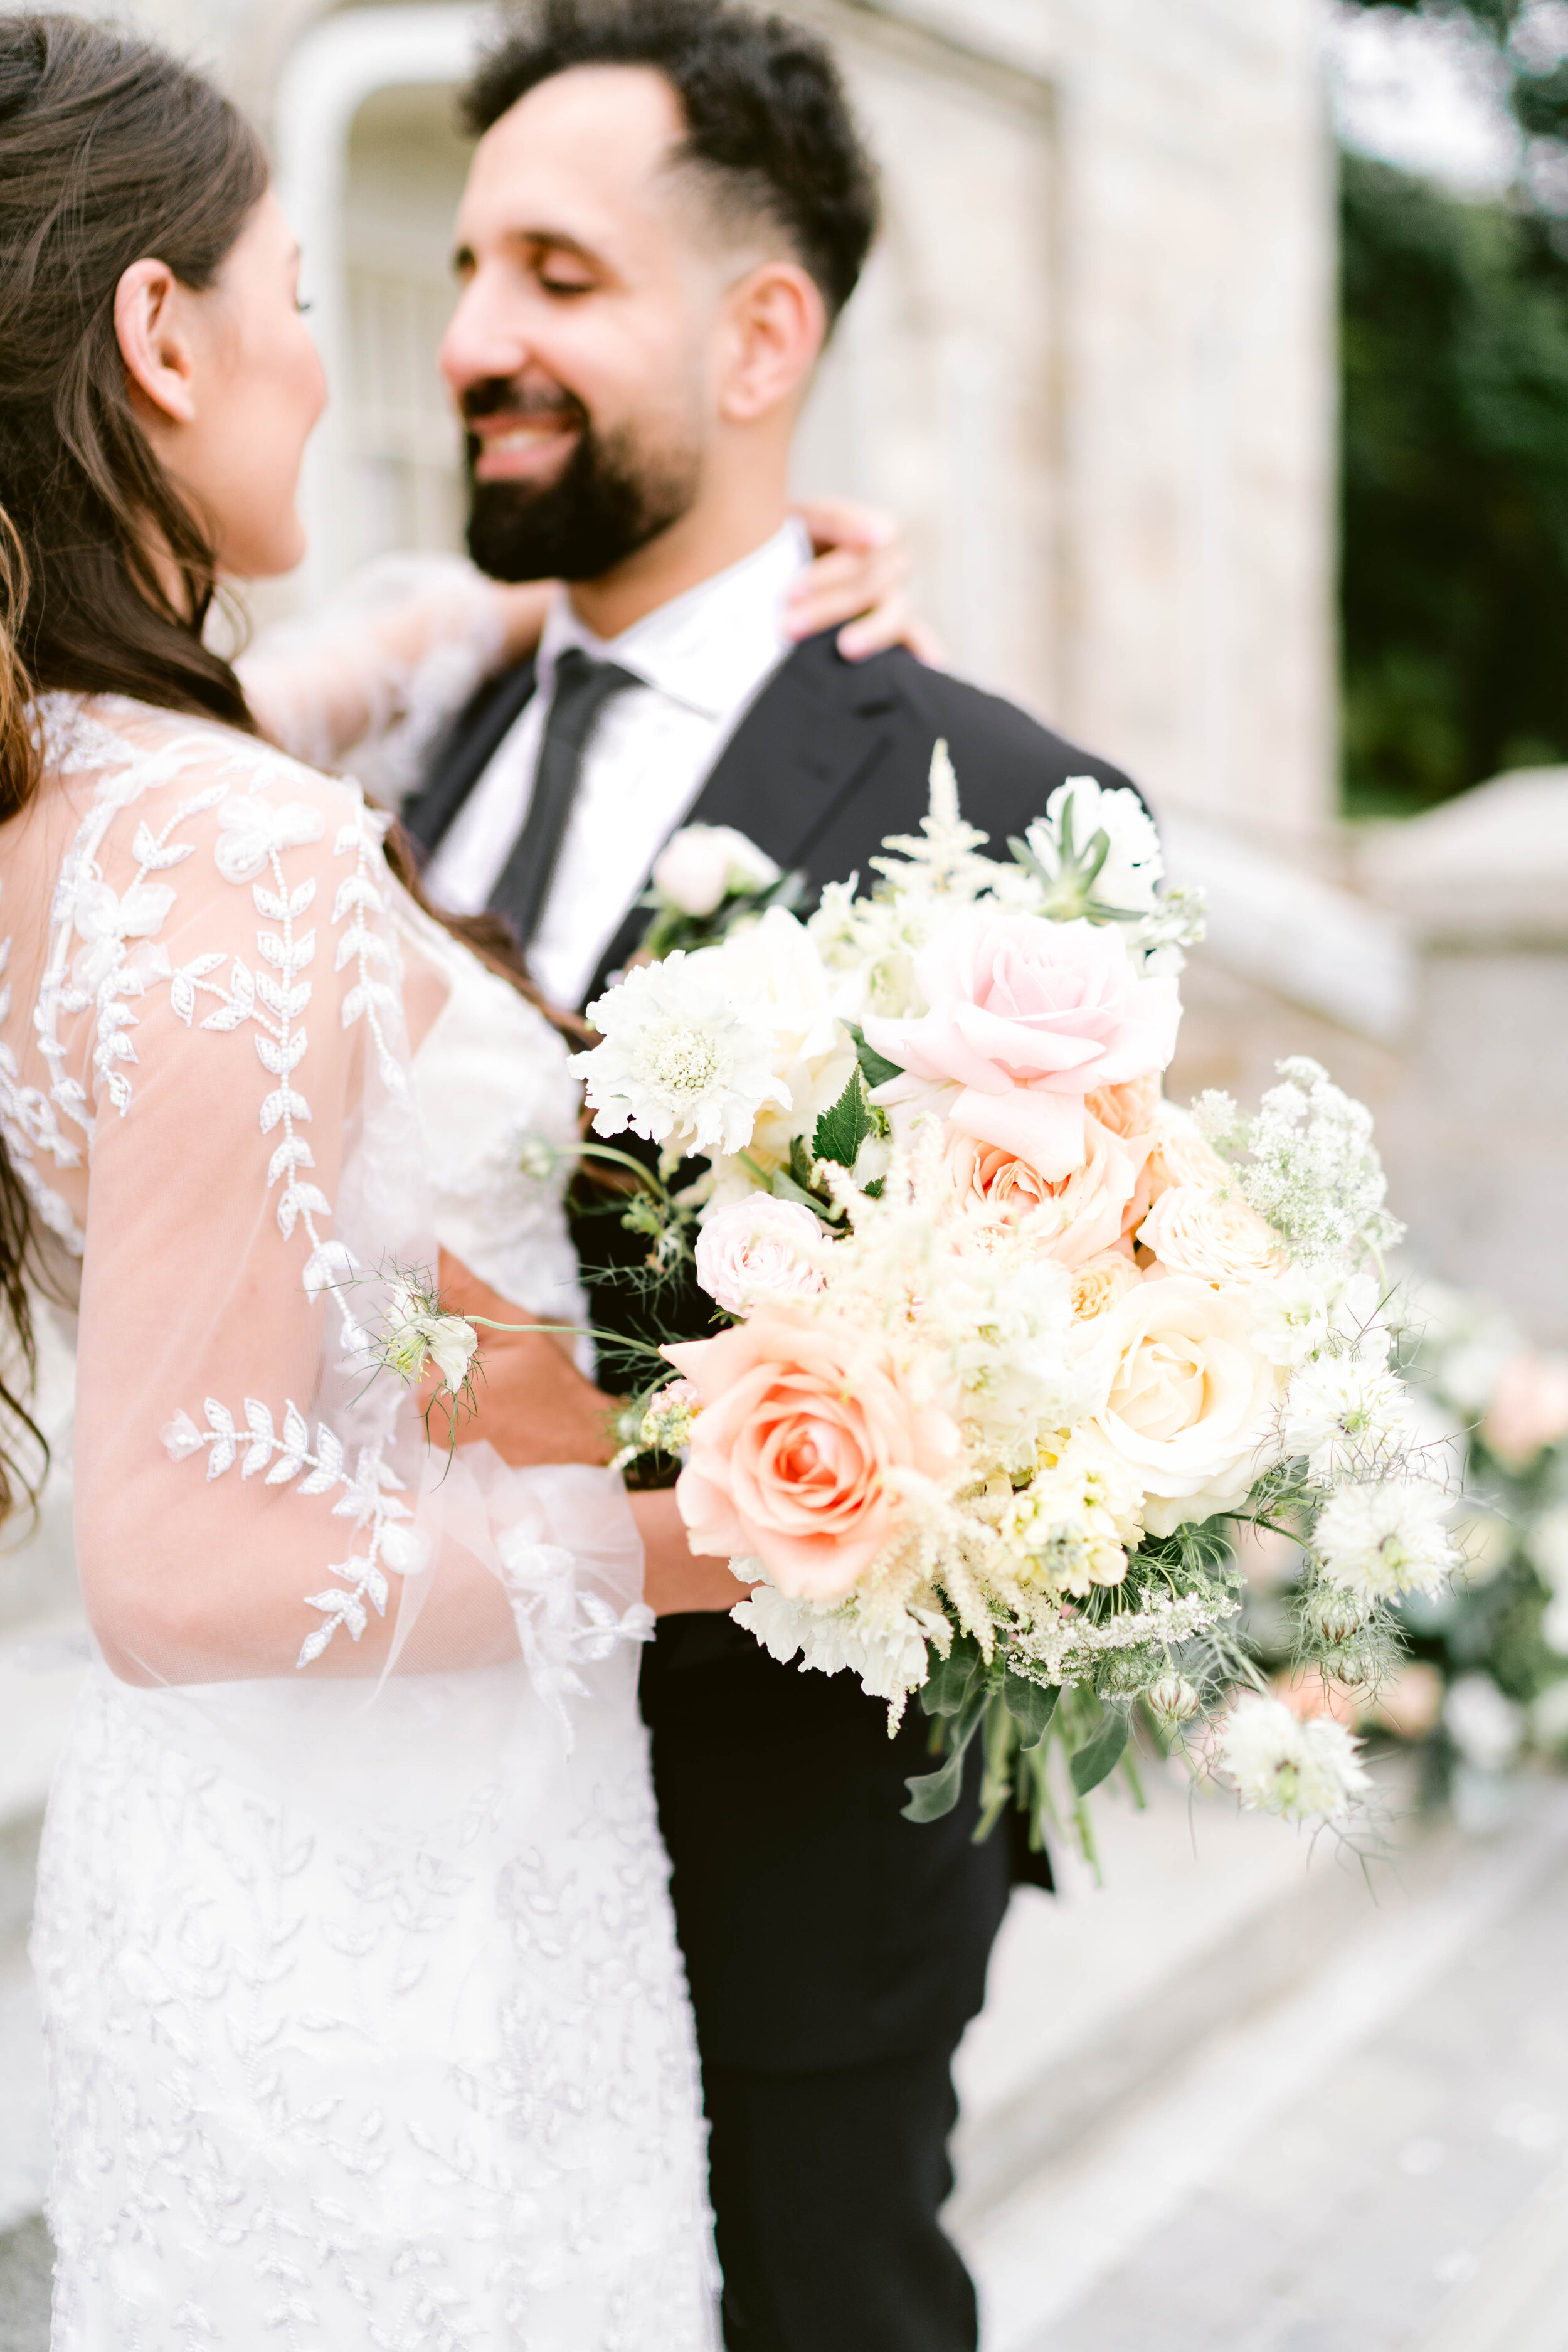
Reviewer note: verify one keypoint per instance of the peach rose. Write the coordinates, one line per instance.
(1100, 1281)
(1027, 1017)
(1190, 1402)
(1199, 1230)
(1529, 1409)
(795, 1456)
(1070, 1219)
(1129, 1111)
(1176, 1153)
(758, 1248)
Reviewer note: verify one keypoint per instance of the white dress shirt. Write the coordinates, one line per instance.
(705, 657)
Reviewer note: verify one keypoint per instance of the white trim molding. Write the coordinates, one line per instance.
(342, 62)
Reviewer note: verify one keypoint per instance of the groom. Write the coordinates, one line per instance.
(668, 206)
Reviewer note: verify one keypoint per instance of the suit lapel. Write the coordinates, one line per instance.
(470, 745)
(812, 736)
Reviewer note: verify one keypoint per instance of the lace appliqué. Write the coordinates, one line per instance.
(119, 962)
(560, 1627)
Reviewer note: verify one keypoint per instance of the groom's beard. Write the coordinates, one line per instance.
(609, 501)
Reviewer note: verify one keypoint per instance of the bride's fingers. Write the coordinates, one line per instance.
(840, 586)
(846, 522)
(894, 622)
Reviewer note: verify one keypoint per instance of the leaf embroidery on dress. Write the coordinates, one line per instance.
(117, 961)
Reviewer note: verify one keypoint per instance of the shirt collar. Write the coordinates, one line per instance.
(709, 649)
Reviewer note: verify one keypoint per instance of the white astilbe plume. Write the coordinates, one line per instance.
(943, 858)
(1379, 1541)
(682, 1061)
(1303, 1771)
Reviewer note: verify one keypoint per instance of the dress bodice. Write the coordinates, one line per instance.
(499, 1106)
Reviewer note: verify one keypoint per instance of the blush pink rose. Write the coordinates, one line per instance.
(1529, 1410)
(1026, 1018)
(758, 1248)
(796, 1455)
(1070, 1218)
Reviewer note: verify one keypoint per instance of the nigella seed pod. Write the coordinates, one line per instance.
(1171, 1700)
(1335, 1617)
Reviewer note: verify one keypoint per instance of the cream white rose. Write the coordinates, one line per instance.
(1210, 1232)
(1192, 1405)
(1100, 1282)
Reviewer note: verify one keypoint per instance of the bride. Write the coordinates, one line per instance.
(365, 2020)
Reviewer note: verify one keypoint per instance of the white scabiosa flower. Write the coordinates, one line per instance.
(1343, 1415)
(1303, 1771)
(889, 1654)
(1384, 1538)
(683, 1063)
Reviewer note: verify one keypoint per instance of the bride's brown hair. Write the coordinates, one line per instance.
(110, 152)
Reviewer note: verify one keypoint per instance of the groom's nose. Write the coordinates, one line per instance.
(481, 340)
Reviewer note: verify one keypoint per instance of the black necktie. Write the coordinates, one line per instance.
(582, 686)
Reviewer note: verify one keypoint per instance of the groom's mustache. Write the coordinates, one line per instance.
(527, 400)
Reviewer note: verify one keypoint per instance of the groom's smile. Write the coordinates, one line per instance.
(521, 432)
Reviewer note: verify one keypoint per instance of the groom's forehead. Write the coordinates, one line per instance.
(583, 156)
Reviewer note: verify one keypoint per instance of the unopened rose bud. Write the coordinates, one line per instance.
(1171, 1700)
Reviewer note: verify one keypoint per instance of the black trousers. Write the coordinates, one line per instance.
(827, 2186)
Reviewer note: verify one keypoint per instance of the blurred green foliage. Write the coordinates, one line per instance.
(1455, 514)
(1455, 519)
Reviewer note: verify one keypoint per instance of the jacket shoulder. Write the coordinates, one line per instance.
(1004, 758)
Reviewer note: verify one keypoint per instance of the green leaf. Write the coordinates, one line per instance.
(932, 1794)
(875, 1067)
(841, 1130)
(1031, 1706)
(1101, 1754)
(946, 1685)
(799, 1163)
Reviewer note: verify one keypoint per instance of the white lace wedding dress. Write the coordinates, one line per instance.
(365, 2021)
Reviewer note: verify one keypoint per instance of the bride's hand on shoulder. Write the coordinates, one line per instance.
(860, 576)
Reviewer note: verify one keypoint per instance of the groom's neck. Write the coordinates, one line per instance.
(728, 521)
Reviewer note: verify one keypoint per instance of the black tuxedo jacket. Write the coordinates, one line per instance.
(820, 1929)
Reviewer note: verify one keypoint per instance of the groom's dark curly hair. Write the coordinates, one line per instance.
(768, 123)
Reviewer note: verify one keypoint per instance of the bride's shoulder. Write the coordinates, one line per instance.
(154, 786)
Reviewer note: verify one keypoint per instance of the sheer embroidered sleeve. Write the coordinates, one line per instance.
(221, 1016)
(370, 680)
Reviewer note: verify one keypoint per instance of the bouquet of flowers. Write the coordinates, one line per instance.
(1006, 1341)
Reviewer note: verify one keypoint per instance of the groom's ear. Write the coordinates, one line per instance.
(775, 323)
(154, 342)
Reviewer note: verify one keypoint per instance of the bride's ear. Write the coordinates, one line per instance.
(154, 342)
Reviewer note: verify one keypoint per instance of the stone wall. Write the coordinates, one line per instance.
(1092, 364)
